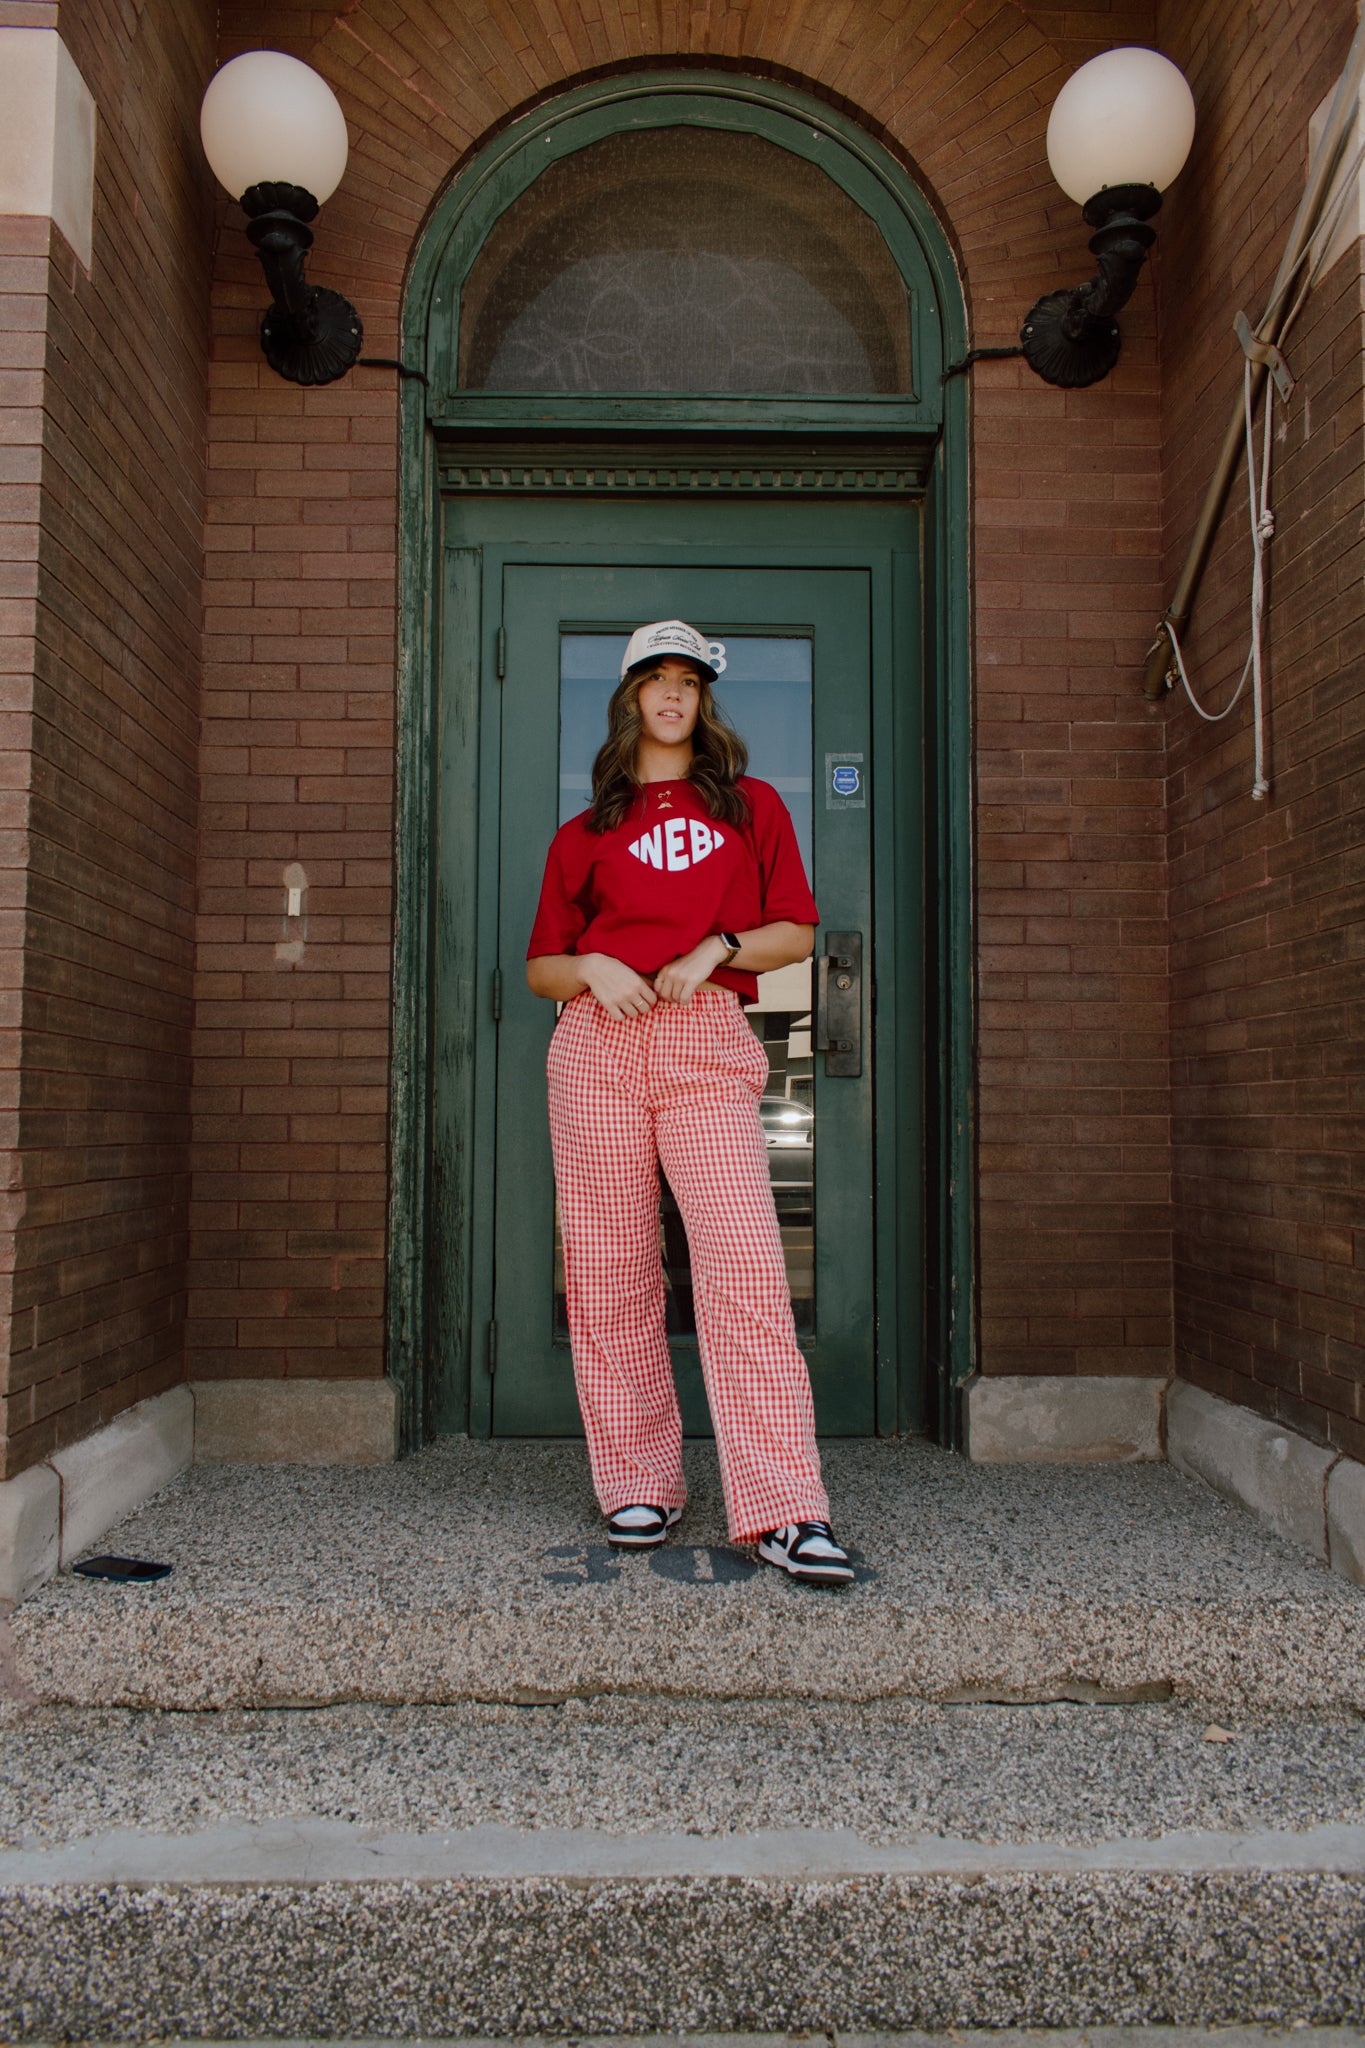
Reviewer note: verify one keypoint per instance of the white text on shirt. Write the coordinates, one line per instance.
(667, 845)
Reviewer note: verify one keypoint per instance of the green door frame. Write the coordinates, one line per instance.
(882, 1319)
(452, 436)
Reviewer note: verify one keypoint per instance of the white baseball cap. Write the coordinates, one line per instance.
(671, 636)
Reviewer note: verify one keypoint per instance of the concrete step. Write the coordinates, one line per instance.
(479, 1571)
(626, 1865)
(1299, 2036)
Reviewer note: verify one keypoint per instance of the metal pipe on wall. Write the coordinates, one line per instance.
(1159, 673)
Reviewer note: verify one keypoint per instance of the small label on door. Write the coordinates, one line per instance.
(845, 783)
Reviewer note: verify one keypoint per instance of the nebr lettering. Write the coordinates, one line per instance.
(678, 844)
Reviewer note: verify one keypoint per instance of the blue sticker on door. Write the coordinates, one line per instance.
(845, 783)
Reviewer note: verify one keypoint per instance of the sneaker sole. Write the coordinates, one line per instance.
(645, 1542)
(810, 1574)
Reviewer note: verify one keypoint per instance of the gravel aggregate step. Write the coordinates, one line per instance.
(579, 1949)
(1297, 2036)
(478, 1571)
(888, 1773)
(623, 1865)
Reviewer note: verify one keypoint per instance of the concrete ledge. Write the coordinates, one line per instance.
(30, 1531)
(1346, 1520)
(295, 1422)
(532, 1956)
(1271, 1469)
(1054, 1420)
(107, 1475)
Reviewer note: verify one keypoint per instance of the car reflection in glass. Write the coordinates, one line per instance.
(789, 1134)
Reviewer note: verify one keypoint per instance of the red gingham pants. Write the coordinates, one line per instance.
(678, 1087)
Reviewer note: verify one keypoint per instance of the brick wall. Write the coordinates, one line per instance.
(1266, 906)
(1074, 1068)
(102, 559)
(104, 499)
(292, 1046)
(23, 309)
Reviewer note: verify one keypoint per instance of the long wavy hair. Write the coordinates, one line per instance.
(719, 757)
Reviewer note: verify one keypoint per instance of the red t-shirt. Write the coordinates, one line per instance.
(668, 877)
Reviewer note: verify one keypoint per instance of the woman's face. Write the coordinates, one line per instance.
(669, 696)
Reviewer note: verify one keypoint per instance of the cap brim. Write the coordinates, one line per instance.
(649, 659)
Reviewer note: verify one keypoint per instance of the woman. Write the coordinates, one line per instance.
(659, 908)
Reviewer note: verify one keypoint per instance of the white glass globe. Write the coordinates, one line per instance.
(268, 118)
(1126, 118)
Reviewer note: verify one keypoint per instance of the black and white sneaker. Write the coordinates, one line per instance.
(807, 1551)
(640, 1528)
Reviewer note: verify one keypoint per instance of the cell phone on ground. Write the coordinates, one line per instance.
(121, 1568)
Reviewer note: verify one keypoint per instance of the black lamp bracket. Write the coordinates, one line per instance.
(309, 334)
(1071, 337)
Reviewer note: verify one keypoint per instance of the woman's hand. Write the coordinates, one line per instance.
(618, 988)
(680, 980)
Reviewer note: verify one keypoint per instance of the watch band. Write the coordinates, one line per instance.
(732, 941)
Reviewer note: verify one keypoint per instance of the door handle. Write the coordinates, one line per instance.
(838, 1019)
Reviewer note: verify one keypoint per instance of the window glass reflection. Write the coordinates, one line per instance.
(684, 259)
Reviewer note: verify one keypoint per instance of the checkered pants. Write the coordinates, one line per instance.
(678, 1087)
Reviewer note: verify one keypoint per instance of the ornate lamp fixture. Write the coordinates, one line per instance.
(1119, 132)
(275, 137)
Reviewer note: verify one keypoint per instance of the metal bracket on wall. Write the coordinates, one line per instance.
(1266, 354)
(979, 355)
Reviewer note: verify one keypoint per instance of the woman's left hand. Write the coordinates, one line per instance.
(680, 980)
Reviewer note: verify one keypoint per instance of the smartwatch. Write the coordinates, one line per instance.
(732, 941)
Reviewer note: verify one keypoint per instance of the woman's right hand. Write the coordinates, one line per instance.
(618, 988)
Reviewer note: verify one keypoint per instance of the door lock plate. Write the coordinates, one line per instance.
(838, 1019)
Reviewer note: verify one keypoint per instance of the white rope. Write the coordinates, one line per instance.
(1213, 717)
(1309, 265)
(1262, 532)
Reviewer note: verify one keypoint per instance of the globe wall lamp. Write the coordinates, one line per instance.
(275, 138)
(1119, 132)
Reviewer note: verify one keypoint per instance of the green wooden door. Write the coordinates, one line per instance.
(797, 682)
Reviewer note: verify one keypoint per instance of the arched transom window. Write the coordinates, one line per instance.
(685, 259)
